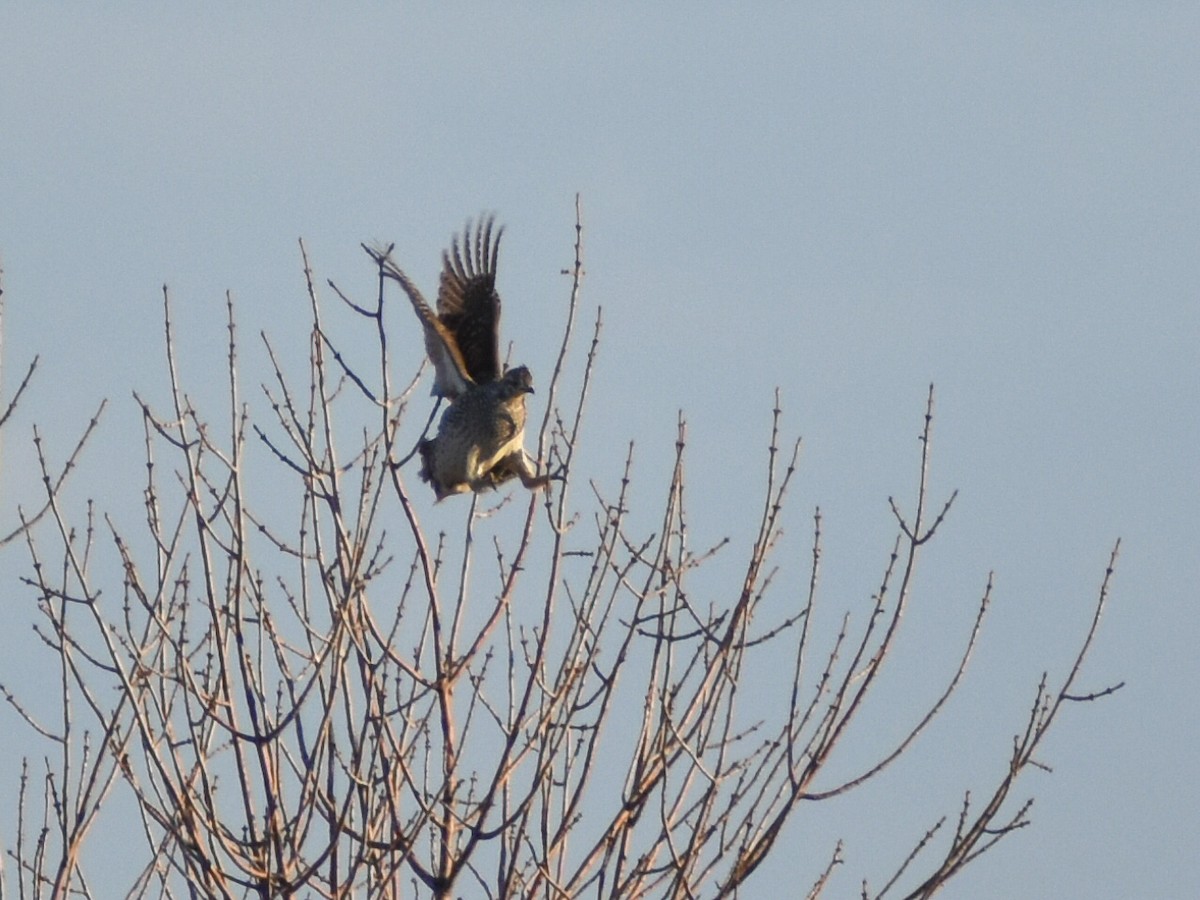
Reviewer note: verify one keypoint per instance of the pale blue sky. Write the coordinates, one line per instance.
(847, 204)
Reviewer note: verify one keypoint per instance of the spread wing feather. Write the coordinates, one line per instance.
(468, 304)
(451, 375)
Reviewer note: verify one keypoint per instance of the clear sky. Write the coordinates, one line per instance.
(844, 202)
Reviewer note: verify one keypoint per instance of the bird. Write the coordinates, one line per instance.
(480, 440)
(479, 443)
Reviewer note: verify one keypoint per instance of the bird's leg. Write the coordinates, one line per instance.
(527, 473)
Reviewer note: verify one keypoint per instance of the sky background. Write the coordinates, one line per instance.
(847, 203)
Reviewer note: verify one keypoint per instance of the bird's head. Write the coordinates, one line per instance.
(518, 381)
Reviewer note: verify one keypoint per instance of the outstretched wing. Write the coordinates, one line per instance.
(468, 305)
(451, 376)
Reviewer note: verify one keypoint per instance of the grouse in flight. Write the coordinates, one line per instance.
(480, 439)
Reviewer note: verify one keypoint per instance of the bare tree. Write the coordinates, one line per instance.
(304, 691)
(7, 408)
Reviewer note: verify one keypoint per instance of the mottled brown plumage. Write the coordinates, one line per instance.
(462, 339)
(479, 443)
(467, 302)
